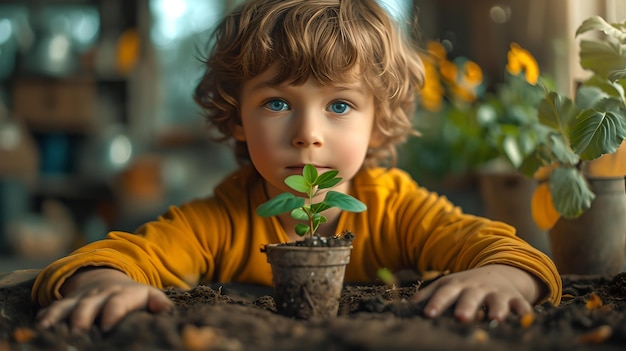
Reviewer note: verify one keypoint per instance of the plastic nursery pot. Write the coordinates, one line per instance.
(307, 280)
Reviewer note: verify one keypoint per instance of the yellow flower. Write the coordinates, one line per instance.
(432, 91)
(472, 73)
(449, 71)
(436, 50)
(431, 101)
(519, 59)
(542, 208)
(463, 92)
(463, 88)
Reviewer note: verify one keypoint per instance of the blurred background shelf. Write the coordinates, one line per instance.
(98, 130)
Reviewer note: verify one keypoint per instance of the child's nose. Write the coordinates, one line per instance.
(307, 131)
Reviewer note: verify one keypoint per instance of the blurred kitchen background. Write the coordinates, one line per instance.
(99, 132)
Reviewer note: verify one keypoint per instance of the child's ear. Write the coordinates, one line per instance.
(238, 133)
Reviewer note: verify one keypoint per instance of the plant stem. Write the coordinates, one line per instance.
(311, 214)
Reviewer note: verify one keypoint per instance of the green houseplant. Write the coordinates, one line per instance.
(583, 129)
(479, 135)
(464, 127)
(574, 134)
(308, 274)
(509, 119)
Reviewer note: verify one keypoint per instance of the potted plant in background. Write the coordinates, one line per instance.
(450, 143)
(467, 130)
(308, 274)
(509, 117)
(581, 197)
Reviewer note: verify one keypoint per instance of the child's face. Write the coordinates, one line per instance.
(287, 126)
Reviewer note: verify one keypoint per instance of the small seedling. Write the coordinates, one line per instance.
(390, 280)
(387, 277)
(309, 184)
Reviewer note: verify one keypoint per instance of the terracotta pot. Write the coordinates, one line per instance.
(593, 243)
(308, 280)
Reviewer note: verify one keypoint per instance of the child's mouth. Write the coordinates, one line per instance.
(299, 168)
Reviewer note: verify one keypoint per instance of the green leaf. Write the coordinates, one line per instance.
(559, 151)
(299, 214)
(282, 203)
(598, 23)
(587, 96)
(606, 55)
(599, 131)
(297, 183)
(617, 74)
(329, 183)
(310, 174)
(532, 142)
(512, 151)
(328, 179)
(302, 229)
(344, 202)
(556, 112)
(570, 192)
(320, 207)
(486, 115)
(602, 57)
(608, 87)
(325, 177)
(319, 218)
(530, 165)
(386, 276)
(530, 137)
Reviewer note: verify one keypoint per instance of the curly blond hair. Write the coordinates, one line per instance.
(332, 41)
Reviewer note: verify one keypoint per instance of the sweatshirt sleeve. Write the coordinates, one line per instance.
(457, 241)
(204, 240)
(433, 234)
(173, 250)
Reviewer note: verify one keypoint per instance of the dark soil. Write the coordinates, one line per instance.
(235, 317)
(343, 239)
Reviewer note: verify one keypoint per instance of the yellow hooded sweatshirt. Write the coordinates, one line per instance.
(218, 239)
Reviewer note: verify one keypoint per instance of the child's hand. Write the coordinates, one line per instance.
(499, 288)
(107, 293)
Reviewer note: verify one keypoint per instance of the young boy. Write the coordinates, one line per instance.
(326, 82)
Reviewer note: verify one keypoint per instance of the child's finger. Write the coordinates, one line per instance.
(56, 312)
(139, 297)
(86, 310)
(425, 293)
(121, 304)
(469, 302)
(497, 307)
(159, 302)
(443, 296)
(520, 306)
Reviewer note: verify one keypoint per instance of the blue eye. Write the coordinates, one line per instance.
(277, 105)
(339, 107)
